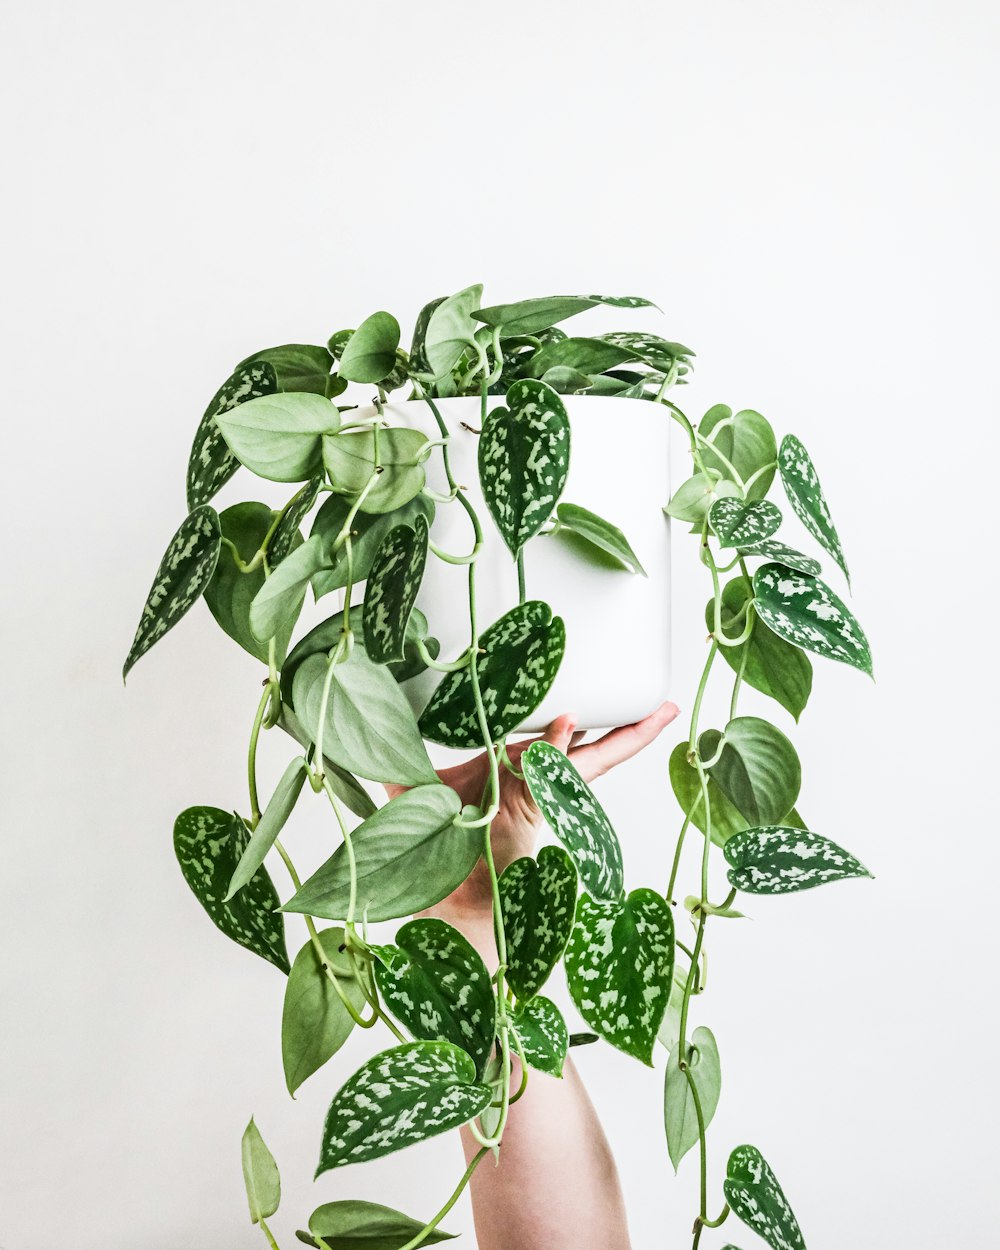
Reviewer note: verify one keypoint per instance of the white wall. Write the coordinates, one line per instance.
(809, 191)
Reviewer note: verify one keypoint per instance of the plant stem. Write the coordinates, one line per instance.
(520, 576)
(258, 720)
(268, 1234)
(419, 1239)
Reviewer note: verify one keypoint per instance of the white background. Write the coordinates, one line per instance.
(809, 192)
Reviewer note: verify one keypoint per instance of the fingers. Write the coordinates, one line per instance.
(597, 758)
(560, 734)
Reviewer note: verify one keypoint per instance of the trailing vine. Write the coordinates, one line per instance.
(341, 692)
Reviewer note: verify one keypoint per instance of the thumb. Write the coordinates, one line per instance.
(560, 732)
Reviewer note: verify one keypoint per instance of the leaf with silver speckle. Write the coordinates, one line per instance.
(753, 1192)
(530, 316)
(287, 535)
(300, 367)
(737, 523)
(211, 463)
(538, 903)
(209, 843)
(801, 483)
(543, 1035)
(619, 965)
(391, 590)
(184, 573)
(805, 611)
(400, 1097)
(771, 549)
(776, 859)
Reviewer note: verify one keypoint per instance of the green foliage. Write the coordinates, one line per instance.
(370, 353)
(738, 524)
(779, 860)
(696, 497)
(270, 825)
(680, 1115)
(391, 592)
(299, 367)
(260, 1175)
(543, 1035)
(753, 1192)
(801, 483)
(598, 533)
(450, 331)
(687, 787)
(352, 460)
(211, 463)
(355, 1225)
(278, 602)
(538, 903)
(368, 531)
(530, 316)
(805, 612)
(315, 1021)
(279, 437)
(756, 768)
(742, 441)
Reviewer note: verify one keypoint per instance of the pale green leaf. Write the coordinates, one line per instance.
(529, 316)
(418, 357)
(211, 463)
(370, 353)
(744, 440)
(260, 1175)
(598, 533)
(543, 1035)
(345, 785)
(805, 611)
(299, 367)
(758, 770)
(277, 604)
(368, 531)
(352, 1224)
(680, 1118)
(350, 461)
(314, 1021)
(538, 903)
(270, 825)
(776, 859)
(737, 523)
(566, 381)
(279, 437)
(392, 588)
(451, 330)
(801, 483)
(771, 549)
(753, 1192)
(694, 498)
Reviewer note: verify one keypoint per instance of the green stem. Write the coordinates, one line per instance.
(258, 720)
(440, 666)
(268, 1234)
(421, 1237)
(520, 576)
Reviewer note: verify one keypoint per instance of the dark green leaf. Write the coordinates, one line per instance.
(801, 483)
(770, 549)
(753, 1192)
(738, 523)
(584, 355)
(758, 770)
(519, 657)
(524, 460)
(450, 330)
(260, 1175)
(399, 1097)
(619, 965)
(392, 588)
(368, 531)
(747, 442)
(538, 902)
(780, 860)
(649, 348)
(314, 1021)
(543, 1035)
(211, 463)
(409, 856)
(184, 573)
(694, 498)
(277, 604)
(337, 342)
(350, 462)
(436, 984)
(566, 381)
(529, 316)
(299, 366)
(271, 823)
(574, 815)
(599, 533)
(209, 843)
(726, 820)
(370, 354)
(418, 357)
(356, 1225)
(680, 1119)
(280, 437)
(805, 611)
(287, 535)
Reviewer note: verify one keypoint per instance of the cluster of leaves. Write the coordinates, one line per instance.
(337, 691)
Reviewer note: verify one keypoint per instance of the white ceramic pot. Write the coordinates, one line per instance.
(616, 668)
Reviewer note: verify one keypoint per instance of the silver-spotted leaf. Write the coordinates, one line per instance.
(758, 769)
(270, 825)
(352, 1224)
(391, 591)
(543, 1035)
(350, 461)
(776, 859)
(209, 843)
(279, 437)
(408, 856)
(599, 533)
(529, 316)
(804, 611)
(686, 784)
(287, 535)
(299, 367)
(370, 353)
(737, 523)
(399, 1097)
(435, 983)
(744, 440)
(211, 463)
(619, 965)
(519, 656)
(184, 573)
(771, 549)
(650, 349)
(278, 602)
(260, 1175)
(524, 460)
(538, 903)
(368, 531)
(680, 1117)
(588, 356)
(314, 1021)
(753, 1192)
(801, 483)
(574, 815)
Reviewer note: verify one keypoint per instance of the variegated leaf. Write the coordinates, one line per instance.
(771, 549)
(279, 437)
(529, 316)
(801, 483)
(435, 983)
(350, 462)
(805, 611)
(260, 1175)
(211, 463)
(209, 843)
(300, 367)
(270, 825)
(184, 573)
(649, 348)
(352, 1224)
(399, 1097)
(737, 523)
(589, 356)
(278, 602)
(418, 356)
(287, 535)
(680, 1119)
(408, 856)
(543, 1035)
(776, 859)
(758, 769)
(538, 902)
(574, 815)
(392, 588)
(314, 1021)
(619, 965)
(524, 460)
(753, 1192)
(519, 656)
(368, 531)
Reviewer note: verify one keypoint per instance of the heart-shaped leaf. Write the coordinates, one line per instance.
(368, 532)
(279, 437)
(598, 533)
(277, 604)
(350, 462)
(211, 463)
(538, 903)
(345, 785)
(758, 770)
(587, 356)
(619, 965)
(299, 367)
(523, 460)
(519, 656)
(408, 856)
(352, 1224)
(753, 1192)
(399, 1097)
(209, 843)
(776, 859)
(392, 588)
(772, 666)
(450, 330)
(805, 611)
(726, 819)
(801, 483)
(314, 1021)
(694, 498)
(543, 1035)
(260, 1175)
(435, 983)
(370, 353)
(286, 537)
(574, 815)
(369, 726)
(770, 549)
(744, 440)
(271, 823)
(738, 523)
(680, 1118)
(529, 316)
(182, 578)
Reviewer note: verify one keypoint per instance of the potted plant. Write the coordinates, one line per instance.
(403, 659)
